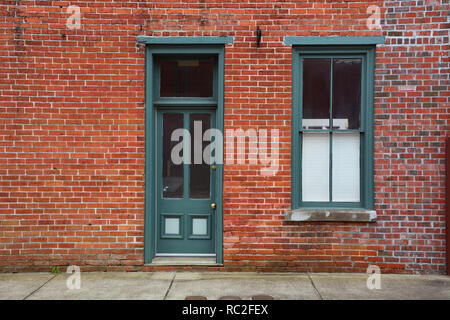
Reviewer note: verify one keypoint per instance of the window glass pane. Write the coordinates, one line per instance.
(172, 226)
(187, 77)
(315, 167)
(172, 174)
(199, 171)
(346, 167)
(199, 226)
(346, 93)
(316, 93)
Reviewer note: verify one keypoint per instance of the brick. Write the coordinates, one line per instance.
(72, 135)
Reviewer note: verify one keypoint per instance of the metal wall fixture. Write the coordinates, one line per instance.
(258, 36)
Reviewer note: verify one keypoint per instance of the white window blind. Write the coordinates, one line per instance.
(315, 167)
(346, 167)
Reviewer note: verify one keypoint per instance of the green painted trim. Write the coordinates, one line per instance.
(295, 136)
(186, 175)
(179, 45)
(330, 138)
(186, 102)
(178, 50)
(368, 40)
(324, 205)
(367, 53)
(328, 130)
(369, 147)
(184, 40)
(150, 184)
(219, 176)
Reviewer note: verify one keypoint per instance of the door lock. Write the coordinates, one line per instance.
(213, 206)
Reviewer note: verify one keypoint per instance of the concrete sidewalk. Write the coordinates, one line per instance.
(179, 285)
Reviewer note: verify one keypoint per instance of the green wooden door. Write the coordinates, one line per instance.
(186, 176)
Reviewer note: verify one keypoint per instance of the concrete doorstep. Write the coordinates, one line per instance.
(227, 286)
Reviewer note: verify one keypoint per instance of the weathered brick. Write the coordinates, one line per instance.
(72, 134)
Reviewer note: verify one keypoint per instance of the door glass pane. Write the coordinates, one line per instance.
(187, 77)
(199, 226)
(315, 167)
(346, 93)
(172, 226)
(316, 93)
(172, 174)
(199, 171)
(346, 167)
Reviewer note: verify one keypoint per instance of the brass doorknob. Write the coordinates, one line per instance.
(213, 167)
(213, 206)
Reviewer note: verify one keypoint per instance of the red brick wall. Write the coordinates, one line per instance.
(411, 123)
(72, 133)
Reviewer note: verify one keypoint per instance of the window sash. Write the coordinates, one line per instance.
(361, 173)
(363, 105)
(367, 54)
(307, 194)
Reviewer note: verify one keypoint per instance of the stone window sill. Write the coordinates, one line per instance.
(331, 215)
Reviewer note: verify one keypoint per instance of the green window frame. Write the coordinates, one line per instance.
(332, 51)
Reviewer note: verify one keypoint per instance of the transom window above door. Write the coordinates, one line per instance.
(185, 76)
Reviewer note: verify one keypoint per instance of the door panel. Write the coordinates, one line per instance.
(186, 184)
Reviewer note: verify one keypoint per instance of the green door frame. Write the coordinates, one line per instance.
(178, 45)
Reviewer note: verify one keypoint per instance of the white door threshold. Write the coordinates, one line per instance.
(184, 261)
